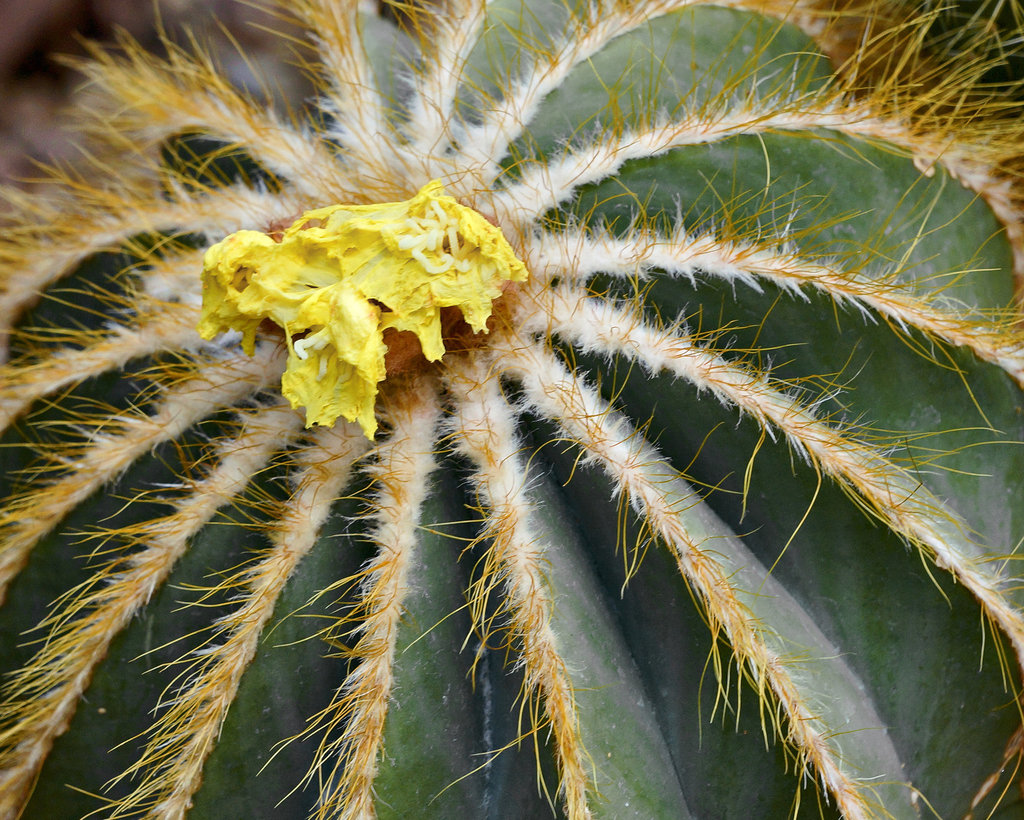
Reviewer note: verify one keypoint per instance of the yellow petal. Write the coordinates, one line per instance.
(342, 274)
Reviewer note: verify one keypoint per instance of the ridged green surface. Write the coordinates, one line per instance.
(888, 642)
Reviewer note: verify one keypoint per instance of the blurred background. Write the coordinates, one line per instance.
(35, 87)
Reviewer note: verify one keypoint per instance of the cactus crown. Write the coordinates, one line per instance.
(568, 125)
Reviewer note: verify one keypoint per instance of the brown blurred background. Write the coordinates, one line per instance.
(34, 87)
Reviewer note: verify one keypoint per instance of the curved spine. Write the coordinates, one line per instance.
(95, 221)
(155, 329)
(362, 129)
(578, 256)
(352, 725)
(892, 493)
(28, 517)
(626, 457)
(190, 720)
(160, 99)
(483, 429)
(41, 698)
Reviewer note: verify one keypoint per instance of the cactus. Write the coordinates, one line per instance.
(708, 506)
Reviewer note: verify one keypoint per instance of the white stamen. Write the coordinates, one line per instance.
(442, 217)
(315, 341)
(410, 241)
(431, 267)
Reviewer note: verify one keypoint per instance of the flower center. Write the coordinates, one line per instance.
(360, 291)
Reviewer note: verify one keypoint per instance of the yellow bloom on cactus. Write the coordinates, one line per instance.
(340, 276)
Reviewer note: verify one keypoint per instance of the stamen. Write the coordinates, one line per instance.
(315, 341)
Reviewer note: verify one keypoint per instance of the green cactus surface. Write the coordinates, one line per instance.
(711, 510)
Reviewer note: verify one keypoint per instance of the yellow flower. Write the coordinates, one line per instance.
(340, 276)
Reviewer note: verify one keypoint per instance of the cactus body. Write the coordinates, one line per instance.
(717, 518)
